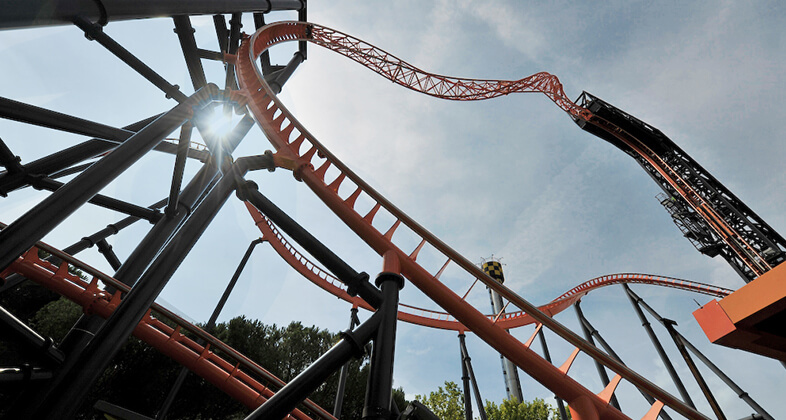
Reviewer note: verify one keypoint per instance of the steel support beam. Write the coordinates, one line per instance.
(596, 335)
(357, 283)
(78, 374)
(185, 33)
(110, 203)
(180, 166)
(27, 13)
(380, 378)
(209, 327)
(683, 344)
(635, 300)
(30, 114)
(43, 345)
(563, 415)
(141, 257)
(467, 364)
(96, 32)
(342, 378)
(24, 232)
(284, 74)
(604, 377)
(352, 345)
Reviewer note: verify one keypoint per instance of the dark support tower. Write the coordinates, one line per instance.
(708, 214)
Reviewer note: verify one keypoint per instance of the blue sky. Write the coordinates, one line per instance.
(512, 177)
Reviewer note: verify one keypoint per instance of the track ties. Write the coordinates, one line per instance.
(414, 255)
(369, 218)
(350, 201)
(654, 411)
(568, 363)
(337, 183)
(534, 334)
(608, 392)
(392, 230)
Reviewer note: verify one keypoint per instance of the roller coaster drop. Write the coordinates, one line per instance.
(713, 218)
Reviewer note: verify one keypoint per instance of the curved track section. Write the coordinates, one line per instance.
(442, 320)
(226, 368)
(462, 89)
(311, 161)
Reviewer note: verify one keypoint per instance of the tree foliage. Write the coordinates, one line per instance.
(447, 403)
(536, 409)
(139, 377)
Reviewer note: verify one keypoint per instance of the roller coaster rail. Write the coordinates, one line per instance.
(126, 299)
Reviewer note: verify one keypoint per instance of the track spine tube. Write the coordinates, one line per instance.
(351, 345)
(380, 378)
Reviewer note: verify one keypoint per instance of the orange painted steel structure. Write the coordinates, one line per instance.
(443, 320)
(310, 161)
(226, 368)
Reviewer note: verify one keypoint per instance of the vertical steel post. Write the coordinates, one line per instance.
(287, 398)
(546, 355)
(209, 327)
(79, 373)
(465, 379)
(380, 378)
(634, 300)
(342, 379)
(476, 390)
(594, 333)
(683, 345)
(604, 377)
(180, 166)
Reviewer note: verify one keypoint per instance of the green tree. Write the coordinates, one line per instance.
(526, 410)
(446, 403)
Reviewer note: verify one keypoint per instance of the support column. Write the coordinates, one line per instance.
(380, 379)
(342, 379)
(467, 363)
(634, 300)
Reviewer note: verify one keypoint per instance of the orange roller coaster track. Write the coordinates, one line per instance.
(310, 161)
(443, 320)
(226, 368)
